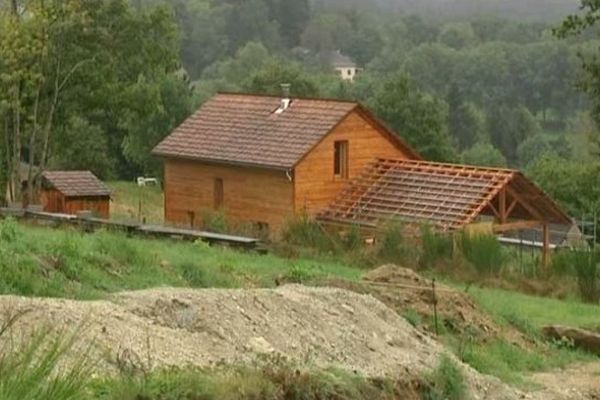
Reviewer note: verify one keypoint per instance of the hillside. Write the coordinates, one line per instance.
(540, 10)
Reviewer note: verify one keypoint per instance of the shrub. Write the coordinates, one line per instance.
(215, 221)
(435, 247)
(305, 232)
(447, 382)
(8, 230)
(392, 246)
(587, 269)
(484, 252)
(561, 264)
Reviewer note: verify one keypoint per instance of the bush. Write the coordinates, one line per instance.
(215, 221)
(447, 382)
(303, 231)
(436, 247)
(392, 246)
(483, 252)
(587, 269)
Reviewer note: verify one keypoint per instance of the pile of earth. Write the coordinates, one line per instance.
(312, 327)
(407, 292)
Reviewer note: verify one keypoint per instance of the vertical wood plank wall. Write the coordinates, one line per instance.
(100, 206)
(315, 184)
(250, 195)
(55, 202)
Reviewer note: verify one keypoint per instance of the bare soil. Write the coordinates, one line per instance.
(312, 327)
(403, 290)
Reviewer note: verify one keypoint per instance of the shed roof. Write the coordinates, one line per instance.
(76, 183)
(446, 195)
(244, 129)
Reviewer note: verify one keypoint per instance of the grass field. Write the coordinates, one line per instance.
(126, 198)
(37, 261)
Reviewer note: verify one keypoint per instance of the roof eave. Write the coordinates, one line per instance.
(282, 168)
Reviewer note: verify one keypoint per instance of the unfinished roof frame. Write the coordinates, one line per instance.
(447, 196)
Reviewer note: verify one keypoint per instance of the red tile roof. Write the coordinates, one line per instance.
(244, 129)
(448, 196)
(76, 183)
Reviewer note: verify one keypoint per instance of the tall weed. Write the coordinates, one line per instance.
(32, 367)
(483, 252)
(447, 382)
(303, 231)
(393, 247)
(436, 248)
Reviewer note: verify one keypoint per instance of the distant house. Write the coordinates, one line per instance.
(68, 192)
(344, 66)
(263, 159)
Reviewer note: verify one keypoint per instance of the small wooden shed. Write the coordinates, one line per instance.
(68, 192)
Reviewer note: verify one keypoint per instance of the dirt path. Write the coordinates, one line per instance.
(577, 382)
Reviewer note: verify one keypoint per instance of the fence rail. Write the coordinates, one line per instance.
(90, 224)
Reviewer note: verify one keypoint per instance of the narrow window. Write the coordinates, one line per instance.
(218, 193)
(340, 162)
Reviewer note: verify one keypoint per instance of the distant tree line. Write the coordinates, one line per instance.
(96, 84)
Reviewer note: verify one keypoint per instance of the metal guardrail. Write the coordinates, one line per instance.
(88, 223)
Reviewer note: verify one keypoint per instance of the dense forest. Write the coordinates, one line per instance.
(95, 84)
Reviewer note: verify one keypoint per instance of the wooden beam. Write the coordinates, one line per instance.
(535, 213)
(502, 206)
(546, 249)
(516, 226)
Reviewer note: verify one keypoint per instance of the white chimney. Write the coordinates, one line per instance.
(285, 99)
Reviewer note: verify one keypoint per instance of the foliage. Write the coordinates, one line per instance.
(304, 231)
(447, 381)
(268, 379)
(483, 252)
(484, 154)
(571, 183)
(586, 264)
(393, 244)
(436, 248)
(417, 117)
(30, 366)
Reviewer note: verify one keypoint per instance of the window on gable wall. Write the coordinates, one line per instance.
(340, 159)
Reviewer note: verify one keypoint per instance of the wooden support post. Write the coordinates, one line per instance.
(502, 206)
(546, 249)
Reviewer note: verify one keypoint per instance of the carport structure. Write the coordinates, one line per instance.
(450, 197)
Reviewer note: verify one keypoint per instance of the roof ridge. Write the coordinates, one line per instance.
(450, 165)
(309, 98)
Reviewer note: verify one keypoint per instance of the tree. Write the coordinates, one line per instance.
(577, 25)
(572, 183)
(419, 118)
(466, 123)
(268, 80)
(484, 154)
(458, 35)
(509, 127)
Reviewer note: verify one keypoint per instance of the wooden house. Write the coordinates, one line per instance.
(264, 158)
(68, 192)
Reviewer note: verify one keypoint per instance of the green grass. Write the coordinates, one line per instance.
(510, 362)
(38, 261)
(125, 201)
(538, 311)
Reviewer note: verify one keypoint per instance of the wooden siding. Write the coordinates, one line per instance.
(55, 202)
(250, 195)
(315, 184)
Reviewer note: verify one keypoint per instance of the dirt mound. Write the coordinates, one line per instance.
(319, 327)
(407, 292)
